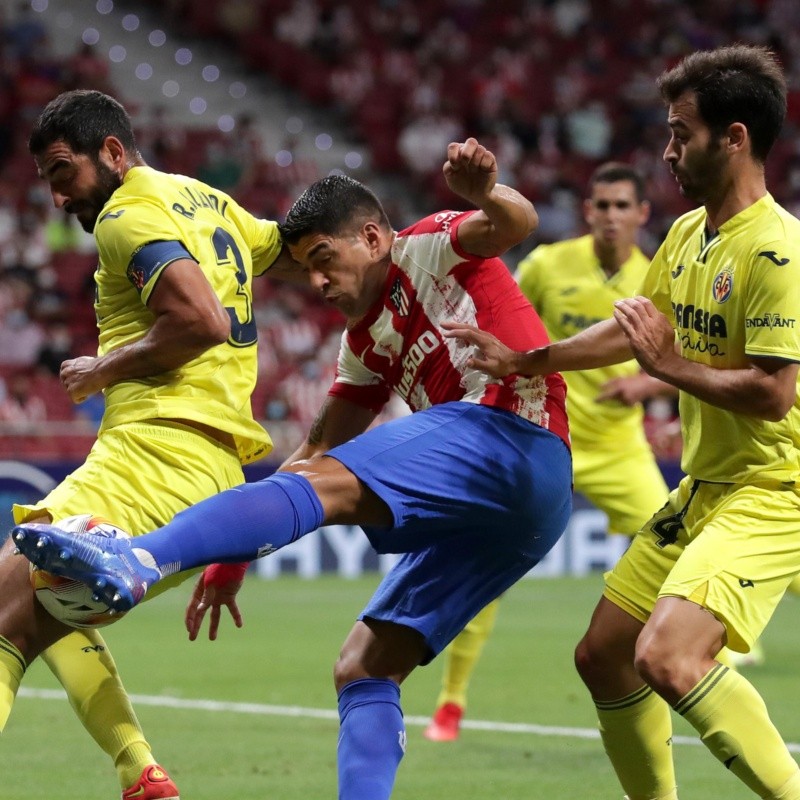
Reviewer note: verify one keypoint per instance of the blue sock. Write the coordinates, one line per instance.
(240, 524)
(372, 739)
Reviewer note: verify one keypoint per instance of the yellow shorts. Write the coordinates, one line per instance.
(624, 482)
(731, 548)
(139, 475)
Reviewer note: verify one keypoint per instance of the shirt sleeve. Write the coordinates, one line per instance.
(139, 240)
(772, 305)
(655, 285)
(356, 383)
(266, 245)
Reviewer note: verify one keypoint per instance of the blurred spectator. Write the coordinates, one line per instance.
(56, 348)
(221, 168)
(162, 143)
(305, 390)
(87, 69)
(63, 233)
(21, 338)
(25, 31)
(27, 248)
(91, 410)
(19, 405)
(423, 141)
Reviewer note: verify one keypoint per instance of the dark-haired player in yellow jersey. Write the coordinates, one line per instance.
(573, 284)
(712, 565)
(176, 363)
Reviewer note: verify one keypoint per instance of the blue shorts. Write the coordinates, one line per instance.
(478, 496)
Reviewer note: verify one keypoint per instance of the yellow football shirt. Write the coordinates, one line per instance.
(152, 220)
(571, 291)
(730, 296)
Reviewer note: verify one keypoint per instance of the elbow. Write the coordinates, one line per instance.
(211, 330)
(776, 411)
(526, 227)
(533, 221)
(775, 406)
(503, 242)
(221, 330)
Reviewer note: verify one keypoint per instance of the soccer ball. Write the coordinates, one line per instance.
(70, 601)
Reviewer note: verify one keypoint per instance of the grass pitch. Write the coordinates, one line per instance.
(253, 714)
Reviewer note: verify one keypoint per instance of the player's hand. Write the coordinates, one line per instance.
(470, 170)
(80, 378)
(649, 334)
(216, 587)
(491, 355)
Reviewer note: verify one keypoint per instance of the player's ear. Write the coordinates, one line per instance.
(644, 212)
(736, 137)
(375, 237)
(113, 152)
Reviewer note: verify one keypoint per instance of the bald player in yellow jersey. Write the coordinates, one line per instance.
(710, 568)
(573, 284)
(176, 364)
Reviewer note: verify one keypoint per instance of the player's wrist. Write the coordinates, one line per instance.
(529, 362)
(220, 575)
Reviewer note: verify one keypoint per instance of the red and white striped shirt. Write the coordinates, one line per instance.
(398, 345)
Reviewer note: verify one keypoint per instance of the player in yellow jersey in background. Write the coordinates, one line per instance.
(711, 566)
(176, 363)
(573, 284)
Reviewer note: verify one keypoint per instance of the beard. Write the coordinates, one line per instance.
(88, 210)
(698, 181)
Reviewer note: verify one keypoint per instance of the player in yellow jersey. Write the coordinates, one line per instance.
(712, 565)
(573, 284)
(176, 363)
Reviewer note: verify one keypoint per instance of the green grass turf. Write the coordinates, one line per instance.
(284, 656)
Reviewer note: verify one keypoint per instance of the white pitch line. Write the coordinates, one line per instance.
(260, 709)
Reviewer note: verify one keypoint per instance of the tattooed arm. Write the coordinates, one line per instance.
(338, 421)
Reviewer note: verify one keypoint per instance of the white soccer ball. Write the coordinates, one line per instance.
(70, 601)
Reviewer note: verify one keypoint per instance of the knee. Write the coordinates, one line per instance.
(348, 668)
(661, 667)
(591, 660)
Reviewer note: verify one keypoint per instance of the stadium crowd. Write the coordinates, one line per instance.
(404, 76)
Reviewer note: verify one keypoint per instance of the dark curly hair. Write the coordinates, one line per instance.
(82, 119)
(739, 83)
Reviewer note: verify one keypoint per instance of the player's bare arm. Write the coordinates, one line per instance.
(766, 388)
(598, 346)
(189, 319)
(505, 219)
(337, 422)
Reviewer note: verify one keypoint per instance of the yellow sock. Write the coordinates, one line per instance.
(727, 658)
(12, 668)
(733, 723)
(463, 653)
(637, 736)
(86, 670)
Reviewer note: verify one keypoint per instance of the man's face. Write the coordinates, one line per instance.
(615, 214)
(79, 184)
(695, 157)
(344, 268)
